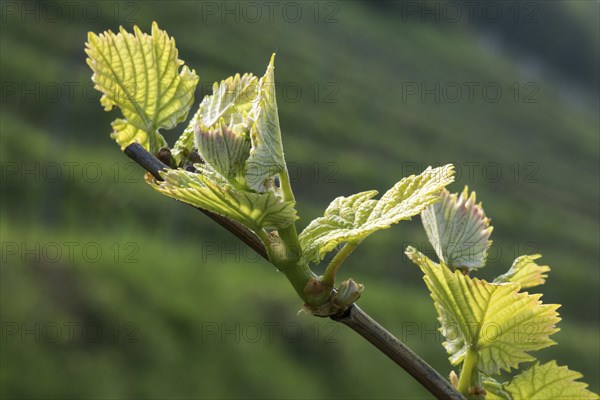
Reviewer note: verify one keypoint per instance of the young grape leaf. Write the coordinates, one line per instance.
(458, 230)
(225, 150)
(495, 320)
(222, 131)
(344, 221)
(207, 189)
(266, 155)
(351, 219)
(139, 73)
(541, 382)
(237, 131)
(525, 271)
(231, 100)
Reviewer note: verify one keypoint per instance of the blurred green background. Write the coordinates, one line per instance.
(112, 291)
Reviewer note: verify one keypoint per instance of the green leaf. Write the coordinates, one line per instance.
(351, 219)
(231, 101)
(237, 131)
(495, 320)
(208, 190)
(344, 221)
(222, 131)
(542, 382)
(525, 271)
(232, 129)
(225, 150)
(266, 156)
(458, 230)
(139, 73)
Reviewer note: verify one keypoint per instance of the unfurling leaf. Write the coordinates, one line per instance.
(141, 75)
(222, 126)
(351, 219)
(266, 156)
(237, 131)
(526, 272)
(225, 150)
(208, 190)
(458, 230)
(541, 382)
(233, 126)
(231, 100)
(499, 323)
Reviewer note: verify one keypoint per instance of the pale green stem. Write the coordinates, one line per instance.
(286, 255)
(286, 186)
(289, 234)
(335, 264)
(304, 281)
(469, 368)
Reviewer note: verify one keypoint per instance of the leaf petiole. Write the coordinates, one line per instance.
(328, 277)
(469, 375)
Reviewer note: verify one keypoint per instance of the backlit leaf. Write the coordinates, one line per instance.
(458, 230)
(140, 74)
(496, 320)
(351, 219)
(541, 382)
(526, 272)
(209, 190)
(266, 156)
